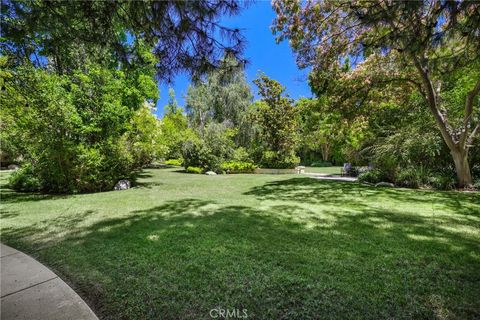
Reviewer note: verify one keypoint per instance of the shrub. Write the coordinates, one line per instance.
(174, 162)
(443, 182)
(197, 154)
(279, 160)
(194, 170)
(321, 164)
(238, 167)
(412, 177)
(372, 176)
(24, 180)
(241, 154)
(209, 151)
(476, 172)
(408, 177)
(476, 184)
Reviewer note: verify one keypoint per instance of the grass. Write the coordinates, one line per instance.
(280, 246)
(327, 170)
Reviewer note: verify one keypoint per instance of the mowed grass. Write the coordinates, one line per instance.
(326, 170)
(281, 246)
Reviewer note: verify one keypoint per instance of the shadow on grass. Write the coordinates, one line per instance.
(314, 191)
(183, 258)
(6, 214)
(10, 196)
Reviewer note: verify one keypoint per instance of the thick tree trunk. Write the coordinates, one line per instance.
(460, 157)
(325, 149)
(458, 149)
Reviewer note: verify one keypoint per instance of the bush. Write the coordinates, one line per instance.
(174, 162)
(238, 167)
(279, 160)
(412, 177)
(197, 154)
(476, 172)
(24, 180)
(476, 184)
(407, 177)
(372, 176)
(443, 182)
(209, 151)
(241, 154)
(321, 164)
(194, 170)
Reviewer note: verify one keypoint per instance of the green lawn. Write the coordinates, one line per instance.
(328, 170)
(280, 246)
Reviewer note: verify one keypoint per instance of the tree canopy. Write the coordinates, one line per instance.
(183, 35)
(411, 43)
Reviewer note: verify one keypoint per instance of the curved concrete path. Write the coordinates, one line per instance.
(29, 290)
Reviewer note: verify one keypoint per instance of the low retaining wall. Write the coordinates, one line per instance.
(279, 171)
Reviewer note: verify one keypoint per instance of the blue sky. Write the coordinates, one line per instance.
(276, 61)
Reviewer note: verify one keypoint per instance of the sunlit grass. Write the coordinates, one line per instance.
(326, 170)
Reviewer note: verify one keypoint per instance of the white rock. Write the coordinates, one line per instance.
(210, 173)
(123, 184)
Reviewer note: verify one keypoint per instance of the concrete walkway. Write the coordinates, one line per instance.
(29, 290)
(327, 176)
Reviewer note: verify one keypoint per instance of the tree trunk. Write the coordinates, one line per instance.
(460, 157)
(458, 149)
(325, 149)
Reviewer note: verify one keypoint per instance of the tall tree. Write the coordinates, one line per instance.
(184, 35)
(410, 43)
(223, 96)
(172, 105)
(276, 116)
(320, 130)
(174, 128)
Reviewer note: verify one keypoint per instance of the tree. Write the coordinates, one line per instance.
(71, 130)
(406, 43)
(142, 137)
(223, 97)
(172, 105)
(276, 116)
(174, 128)
(182, 34)
(321, 129)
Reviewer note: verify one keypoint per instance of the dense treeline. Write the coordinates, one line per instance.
(397, 99)
(78, 84)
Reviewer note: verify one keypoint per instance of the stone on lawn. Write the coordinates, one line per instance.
(13, 167)
(210, 173)
(385, 184)
(123, 184)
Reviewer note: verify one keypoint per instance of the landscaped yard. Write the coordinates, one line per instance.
(280, 246)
